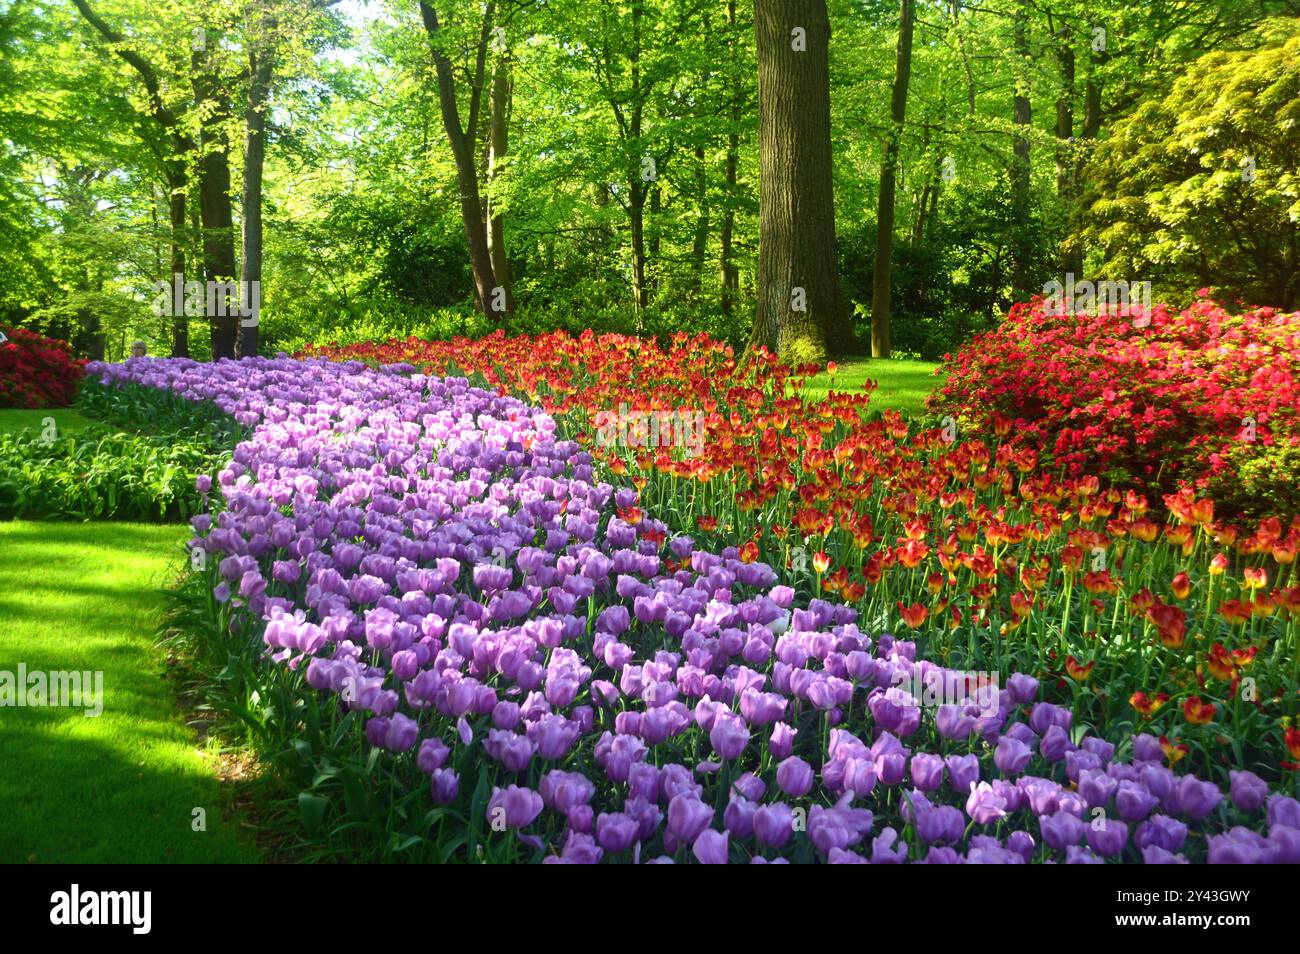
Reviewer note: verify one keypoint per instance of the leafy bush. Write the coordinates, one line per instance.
(36, 371)
(140, 464)
(1200, 188)
(98, 473)
(1199, 397)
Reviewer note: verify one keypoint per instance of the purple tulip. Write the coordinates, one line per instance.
(729, 736)
(773, 824)
(738, 816)
(1160, 831)
(1011, 756)
(1249, 791)
(687, 817)
(432, 755)
(927, 771)
(710, 847)
(941, 824)
(1061, 830)
(1283, 810)
(444, 785)
(963, 772)
(1133, 802)
(513, 807)
(1107, 837)
(794, 777)
(1196, 799)
(616, 832)
(887, 849)
(1240, 846)
(984, 805)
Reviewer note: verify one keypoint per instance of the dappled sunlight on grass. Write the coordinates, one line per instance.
(121, 786)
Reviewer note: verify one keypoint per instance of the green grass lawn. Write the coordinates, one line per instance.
(66, 419)
(122, 786)
(902, 383)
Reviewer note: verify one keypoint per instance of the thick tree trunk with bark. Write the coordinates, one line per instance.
(700, 242)
(1076, 249)
(801, 310)
(880, 286)
(636, 218)
(1067, 170)
(176, 219)
(174, 165)
(216, 210)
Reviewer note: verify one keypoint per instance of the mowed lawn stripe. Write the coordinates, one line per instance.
(902, 383)
(122, 786)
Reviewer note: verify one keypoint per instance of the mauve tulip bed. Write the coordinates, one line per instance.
(451, 586)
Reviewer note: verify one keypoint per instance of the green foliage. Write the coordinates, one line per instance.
(363, 230)
(1202, 186)
(1259, 481)
(139, 466)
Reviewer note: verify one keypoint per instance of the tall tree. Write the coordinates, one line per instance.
(498, 144)
(462, 138)
(261, 67)
(175, 161)
(1022, 117)
(880, 286)
(729, 277)
(800, 309)
(216, 205)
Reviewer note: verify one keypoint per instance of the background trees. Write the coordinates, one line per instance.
(1201, 186)
(392, 166)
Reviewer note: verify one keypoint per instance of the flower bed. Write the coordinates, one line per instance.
(1178, 623)
(1202, 397)
(36, 371)
(568, 680)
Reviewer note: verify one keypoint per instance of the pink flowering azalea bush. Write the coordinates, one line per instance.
(467, 645)
(1200, 397)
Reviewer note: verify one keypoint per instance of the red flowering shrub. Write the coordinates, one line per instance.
(36, 371)
(1202, 397)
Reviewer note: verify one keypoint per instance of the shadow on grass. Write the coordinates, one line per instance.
(123, 786)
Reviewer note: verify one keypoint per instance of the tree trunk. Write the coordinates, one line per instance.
(461, 140)
(176, 219)
(800, 307)
(181, 145)
(498, 143)
(880, 285)
(216, 210)
(700, 243)
(730, 274)
(261, 64)
(1022, 117)
(1076, 248)
(636, 217)
(642, 178)
(1066, 168)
